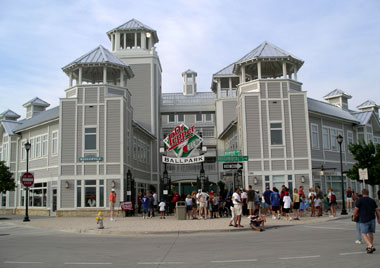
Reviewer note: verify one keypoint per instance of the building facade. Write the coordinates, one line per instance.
(111, 123)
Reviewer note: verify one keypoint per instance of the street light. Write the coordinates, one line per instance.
(27, 148)
(340, 140)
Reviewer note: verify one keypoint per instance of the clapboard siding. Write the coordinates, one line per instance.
(113, 131)
(113, 169)
(278, 165)
(79, 170)
(91, 95)
(229, 112)
(277, 153)
(266, 165)
(67, 194)
(301, 164)
(284, 89)
(80, 95)
(275, 110)
(68, 131)
(263, 90)
(264, 135)
(274, 89)
(252, 115)
(299, 114)
(79, 131)
(287, 129)
(254, 165)
(90, 169)
(290, 165)
(101, 130)
(90, 115)
(67, 170)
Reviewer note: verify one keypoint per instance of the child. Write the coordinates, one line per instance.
(257, 222)
(162, 208)
(317, 204)
(287, 203)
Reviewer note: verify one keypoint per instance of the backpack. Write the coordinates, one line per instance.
(333, 198)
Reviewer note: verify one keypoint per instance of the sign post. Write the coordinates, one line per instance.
(363, 174)
(27, 179)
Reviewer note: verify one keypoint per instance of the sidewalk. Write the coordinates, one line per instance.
(138, 225)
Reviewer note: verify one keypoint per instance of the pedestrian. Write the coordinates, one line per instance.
(332, 202)
(215, 206)
(236, 199)
(189, 207)
(145, 204)
(378, 197)
(368, 213)
(139, 204)
(349, 195)
(287, 203)
(302, 205)
(256, 221)
(267, 205)
(150, 204)
(155, 202)
(112, 199)
(318, 205)
(203, 198)
(251, 200)
(228, 205)
(175, 199)
(195, 205)
(311, 197)
(301, 192)
(275, 203)
(162, 208)
(244, 202)
(231, 208)
(282, 194)
(210, 199)
(320, 195)
(356, 219)
(325, 202)
(296, 203)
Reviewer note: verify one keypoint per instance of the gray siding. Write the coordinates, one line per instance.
(284, 89)
(68, 131)
(80, 133)
(67, 170)
(229, 112)
(101, 130)
(113, 131)
(274, 89)
(252, 122)
(80, 95)
(299, 114)
(264, 123)
(301, 164)
(275, 110)
(113, 169)
(90, 169)
(277, 153)
(91, 95)
(254, 165)
(287, 129)
(263, 90)
(278, 165)
(90, 115)
(67, 195)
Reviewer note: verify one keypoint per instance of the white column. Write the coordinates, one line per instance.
(71, 79)
(122, 78)
(242, 74)
(80, 76)
(135, 40)
(112, 42)
(117, 40)
(150, 42)
(104, 75)
(219, 88)
(125, 41)
(284, 69)
(295, 72)
(143, 40)
(259, 70)
(230, 86)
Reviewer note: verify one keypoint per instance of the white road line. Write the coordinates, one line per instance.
(299, 257)
(234, 261)
(351, 253)
(165, 262)
(22, 262)
(87, 263)
(330, 228)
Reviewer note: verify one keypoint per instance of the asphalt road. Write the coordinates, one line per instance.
(315, 245)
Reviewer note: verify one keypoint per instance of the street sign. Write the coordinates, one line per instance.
(232, 153)
(363, 174)
(239, 158)
(27, 179)
(232, 165)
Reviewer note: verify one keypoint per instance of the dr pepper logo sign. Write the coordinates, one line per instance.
(182, 140)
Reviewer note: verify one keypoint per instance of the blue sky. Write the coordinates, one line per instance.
(338, 40)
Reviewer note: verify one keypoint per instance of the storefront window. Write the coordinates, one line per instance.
(37, 195)
(3, 199)
(90, 193)
(79, 194)
(278, 181)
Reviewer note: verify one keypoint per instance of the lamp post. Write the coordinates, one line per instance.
(340, 140)
(27, 148)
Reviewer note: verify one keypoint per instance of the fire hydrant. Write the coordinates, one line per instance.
(99, 220)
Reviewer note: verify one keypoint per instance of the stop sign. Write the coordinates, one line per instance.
(27, 179)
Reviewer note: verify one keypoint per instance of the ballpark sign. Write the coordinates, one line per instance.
(183, 141)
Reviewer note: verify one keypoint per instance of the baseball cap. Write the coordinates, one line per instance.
(113, 190)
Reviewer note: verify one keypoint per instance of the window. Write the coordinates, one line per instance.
(267, 181)
(171, 118)
(45, 145)
(55, 142)
(38, 146)
(90, 193)
(208, 132)
(90, 138)
(32, 149)
(208, 116)
(326, 138)
(23, 151)
(314, 136)
(369, 138)
(181, 117)
(5, 152)
(37, 196)
(350, 137)
(276, 133)
(198, 117)
(79, 194)
(334, 142)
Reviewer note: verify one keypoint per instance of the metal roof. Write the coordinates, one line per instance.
(133, 25)
(9, 113)
(226, 70)
(367, 104)
(9, 126)
(36, 101)
(99, 55)
(267, 50)
(189, 71)
(39, 118)
(362, 117)
(337, 93)
(330, 110)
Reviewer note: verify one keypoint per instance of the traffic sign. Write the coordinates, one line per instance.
(27, 179)
(363, 174)
(232, 165)
(239, 158)
(232, 153)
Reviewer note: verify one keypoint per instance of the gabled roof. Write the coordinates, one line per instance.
(368, 104)
(337, 93)
(134, 25)
(96, 56)
(329, 110)
(41, 117)
(9, 126)
(36, 101)
(362, 117)
(189, 71)
(267, 50)
(9, 113)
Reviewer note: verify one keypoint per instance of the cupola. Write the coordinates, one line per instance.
(35, 106)
(369, 106)
(338, 98)
(189, 87)
(9, 115)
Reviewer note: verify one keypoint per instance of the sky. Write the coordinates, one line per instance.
(338, 40)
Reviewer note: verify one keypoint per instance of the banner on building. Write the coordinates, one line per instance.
(183, 160)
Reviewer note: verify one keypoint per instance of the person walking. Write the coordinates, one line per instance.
(155, 202)
(275, 203)
(189, 207)
(112, 199)
(311, 198)
(244, 202)
(320, 196)
(368, 213)
(287, 203)
(296, 203)
(251, 200)
(267, 205)
(332, 202)
(356, 219)
(237, 208)
(162, 208)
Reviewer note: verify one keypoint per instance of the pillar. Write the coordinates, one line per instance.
(230, 86)
(125, 40)
(104, 75)
(219, 89)
(80, 76)
(122, 78)
(259, 70)
(117, 40)
(113, 42)
(71, 79)
(143, 40)
(284, 69)
(295, 72)
(242, 74)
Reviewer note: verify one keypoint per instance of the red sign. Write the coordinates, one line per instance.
(27, 179)
(126, 206)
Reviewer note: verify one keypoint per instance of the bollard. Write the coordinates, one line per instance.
(99, 220)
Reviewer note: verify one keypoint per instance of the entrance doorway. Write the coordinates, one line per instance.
(53, 202)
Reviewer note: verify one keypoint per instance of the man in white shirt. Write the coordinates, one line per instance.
(237, 207)
(203, 204)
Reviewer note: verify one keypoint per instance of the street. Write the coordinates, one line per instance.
(313, 245)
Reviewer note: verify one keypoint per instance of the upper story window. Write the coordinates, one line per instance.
(90, 138)
(208, 116)
(181, 117)
(350, 137)
(23, 151)
(276, 133)
(45, 145)
(198, 117)
(314, 136)
(326, 138)
(171, 117)
(334, 142)
(54, 142)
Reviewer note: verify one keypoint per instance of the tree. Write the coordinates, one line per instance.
(367, 156)
(7, 183)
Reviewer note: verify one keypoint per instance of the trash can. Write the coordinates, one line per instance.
(180, 210)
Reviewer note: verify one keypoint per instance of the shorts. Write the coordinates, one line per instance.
(368, 227)
(275, 208)
(333, 203)
(237, 210)
(318, 207)
(112, 206)
(296, 205)
(189, 208)
(255, 223)
(349, 199)
(286, 210)
(202, 204)
(145, 210)
(265, 205)
(251, 205)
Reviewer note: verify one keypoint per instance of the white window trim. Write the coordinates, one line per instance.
(205, 117)
(282, 133)
(84, 139)
(173, 118)
(23, 151)
(201, 117)
(328, 148)
(312, 143)
(177, 117)
(52, 142)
